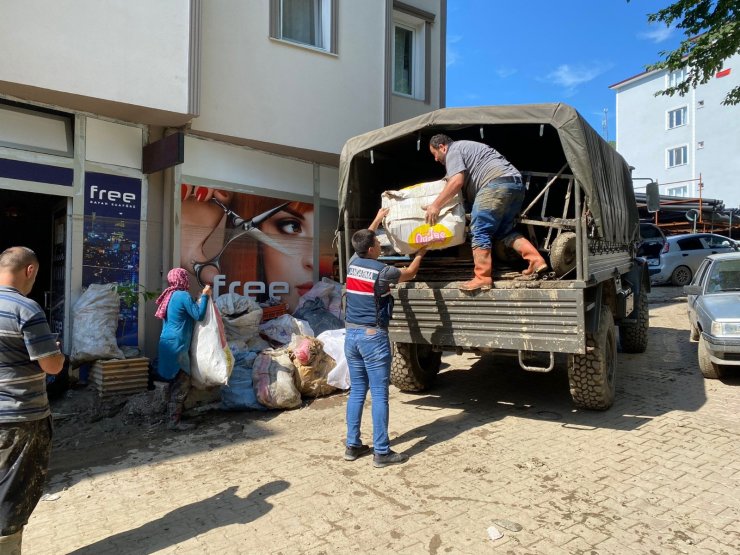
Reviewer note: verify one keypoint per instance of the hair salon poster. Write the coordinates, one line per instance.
(253, 245)
(110, 250)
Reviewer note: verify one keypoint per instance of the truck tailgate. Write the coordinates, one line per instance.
(528, 319)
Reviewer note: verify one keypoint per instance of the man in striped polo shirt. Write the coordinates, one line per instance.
(28, 351)
(366, 344)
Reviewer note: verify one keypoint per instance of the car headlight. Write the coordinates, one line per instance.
(725, 328)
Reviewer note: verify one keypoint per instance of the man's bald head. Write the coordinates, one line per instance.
(18, 268)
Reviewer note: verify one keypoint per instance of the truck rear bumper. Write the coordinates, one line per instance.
(522, 319)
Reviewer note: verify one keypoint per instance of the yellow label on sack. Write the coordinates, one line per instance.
(430, 236)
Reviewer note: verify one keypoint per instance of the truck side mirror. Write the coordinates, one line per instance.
(652, 194)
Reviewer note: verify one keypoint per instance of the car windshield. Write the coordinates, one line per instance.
(724, 276)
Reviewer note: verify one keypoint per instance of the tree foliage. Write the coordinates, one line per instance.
(712, 30)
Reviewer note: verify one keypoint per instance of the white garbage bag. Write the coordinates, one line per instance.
(333, 341)
(211, 361)
(95, 323)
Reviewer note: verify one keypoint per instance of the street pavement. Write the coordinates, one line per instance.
(490, 446)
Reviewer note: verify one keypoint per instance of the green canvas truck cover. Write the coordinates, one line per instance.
(601, 171)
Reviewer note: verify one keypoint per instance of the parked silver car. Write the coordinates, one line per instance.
(714, 312)
(682, 255)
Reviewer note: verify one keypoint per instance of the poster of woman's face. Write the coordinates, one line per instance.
(277, 261)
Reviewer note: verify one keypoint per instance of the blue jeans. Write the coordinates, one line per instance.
(368, 353)
(495, 208)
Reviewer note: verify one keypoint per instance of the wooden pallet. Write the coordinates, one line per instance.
(120, 377)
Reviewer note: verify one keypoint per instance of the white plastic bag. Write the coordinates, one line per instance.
(333, 341)
(211, 361)
(282, 328)
(405, 226)
(95, 323)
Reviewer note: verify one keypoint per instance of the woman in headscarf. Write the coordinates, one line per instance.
(180, 312)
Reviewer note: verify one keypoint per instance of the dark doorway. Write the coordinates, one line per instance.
(38, 222)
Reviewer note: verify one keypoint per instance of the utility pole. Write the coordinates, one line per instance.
(605, 125)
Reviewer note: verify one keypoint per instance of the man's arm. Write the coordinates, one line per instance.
(409, 273)
(453, 186)
(52, 364)
(382, 213)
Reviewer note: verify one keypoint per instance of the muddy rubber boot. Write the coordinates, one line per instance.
(482, 279)
(11, 545)
(177, 424)
(527, 251)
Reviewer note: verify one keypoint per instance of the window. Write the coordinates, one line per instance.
(403, 55)
(674, 78)
(690, 244)
(411, 36)
(677, 117)
(306, 22)
(678, 156)
(682, 191)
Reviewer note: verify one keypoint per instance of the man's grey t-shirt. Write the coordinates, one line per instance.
(24, 338)
(481, 164)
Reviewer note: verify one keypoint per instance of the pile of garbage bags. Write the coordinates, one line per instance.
(279, 362)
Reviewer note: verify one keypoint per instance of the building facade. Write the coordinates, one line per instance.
(139, 136)
(682, 141)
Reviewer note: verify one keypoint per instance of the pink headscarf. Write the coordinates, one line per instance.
(179, 280)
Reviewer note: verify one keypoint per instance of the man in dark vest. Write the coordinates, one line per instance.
(366, 346)
(494, 188)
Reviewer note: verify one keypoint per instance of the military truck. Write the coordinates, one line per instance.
(579, 211)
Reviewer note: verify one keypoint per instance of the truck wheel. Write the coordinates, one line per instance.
(563, 253)
(681, 276)
(414, 367)
(592, 376)
(708, 369)
(634, 337)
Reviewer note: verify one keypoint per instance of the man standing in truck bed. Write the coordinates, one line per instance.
(494, 188)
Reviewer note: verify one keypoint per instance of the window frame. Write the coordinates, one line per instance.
(684, 111)
(684, 148)
(329, 27)
(419, 40)
(675, 78)
(683, 189)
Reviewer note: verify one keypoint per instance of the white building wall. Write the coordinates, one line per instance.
(268, 90)
(643, 137)
(127, 51)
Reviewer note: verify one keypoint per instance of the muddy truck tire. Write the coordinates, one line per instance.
(634, 337)
(414, 367)
(592, 376)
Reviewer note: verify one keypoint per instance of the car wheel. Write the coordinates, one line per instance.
(681, 276)
(694, 333)
(708, 369)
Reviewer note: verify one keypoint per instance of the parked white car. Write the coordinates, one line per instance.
(713, 301)
(682, 255)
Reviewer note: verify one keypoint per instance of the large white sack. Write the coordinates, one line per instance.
(405, 226)
(333, 341)
(95, 323)
(211, 361)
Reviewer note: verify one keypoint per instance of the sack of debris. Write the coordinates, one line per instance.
(283, 328)
(241, 316)
(239, 393)
(405, 226)
(312, 366)
(211, 361)
(318, 316)
(330, 293)
(95, 323)
(272, 377)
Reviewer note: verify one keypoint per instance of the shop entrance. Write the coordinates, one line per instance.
(39, 222)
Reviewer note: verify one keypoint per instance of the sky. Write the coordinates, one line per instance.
(531, 51)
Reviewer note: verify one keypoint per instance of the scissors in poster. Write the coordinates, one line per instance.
(248, 227)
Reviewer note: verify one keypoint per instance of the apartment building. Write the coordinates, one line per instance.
(137, 136)
(679, 140)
